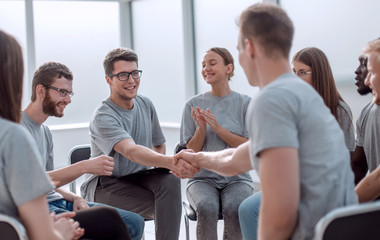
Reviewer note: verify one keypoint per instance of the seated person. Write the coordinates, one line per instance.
(126, 127)
(312, 66)
(51, 93)
(368, 188)
(23, 183)
(212, 129)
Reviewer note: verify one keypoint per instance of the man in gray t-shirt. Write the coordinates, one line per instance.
(367, 153)
(295, 143)
(368, 128)
(126, 127)
(51, 93)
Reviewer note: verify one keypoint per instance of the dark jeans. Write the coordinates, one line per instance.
(99, 222)
(154, 194)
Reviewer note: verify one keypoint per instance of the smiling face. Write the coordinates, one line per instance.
(213, 68)
(373, 78)
(361, 74)
(54, 104)
(123, 92)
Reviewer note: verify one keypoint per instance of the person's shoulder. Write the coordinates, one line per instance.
(13, 131)
(241, 97)
(367, 108)
(143, 100)
(197, 97)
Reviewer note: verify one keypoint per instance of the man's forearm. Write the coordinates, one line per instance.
(66, 175)
(228, 162)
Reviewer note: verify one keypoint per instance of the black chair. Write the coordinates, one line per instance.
(188, 210)
(77, 154)
(350, 223)
(10, 229)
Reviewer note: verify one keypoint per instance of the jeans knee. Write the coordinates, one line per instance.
(206, 208)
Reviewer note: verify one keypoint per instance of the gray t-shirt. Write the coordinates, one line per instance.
(110, 124)
(368, 134)
(230, 112)
(345, 122)
(44, 140)
(21, 177)
(290, 113)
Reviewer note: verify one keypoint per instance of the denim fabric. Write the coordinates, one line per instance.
(207, 199)
(134, 222)
(249, 216)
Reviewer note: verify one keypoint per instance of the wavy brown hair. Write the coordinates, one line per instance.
(11, 77)
(322, 78)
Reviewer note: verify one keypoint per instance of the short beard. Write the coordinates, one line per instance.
(48, 107)
(364, 90)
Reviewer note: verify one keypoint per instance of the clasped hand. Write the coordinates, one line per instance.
(186, 166)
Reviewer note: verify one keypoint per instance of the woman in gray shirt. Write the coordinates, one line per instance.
(312, 66)
(23, 183)
(214, 121)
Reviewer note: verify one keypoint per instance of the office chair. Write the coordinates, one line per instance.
(188, 211)
(350, 223)
(11, 229)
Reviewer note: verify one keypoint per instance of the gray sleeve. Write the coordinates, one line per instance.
(360, 125)
(274, 122)
(106, 131)
(50, 154)
(345, 122)
(26, 178)
(157, 135)
(188, 125)
(246, 104)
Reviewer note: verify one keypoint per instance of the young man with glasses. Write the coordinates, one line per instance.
(126, 127)
(52, 92)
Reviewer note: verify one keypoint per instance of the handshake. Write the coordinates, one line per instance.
(186, 163)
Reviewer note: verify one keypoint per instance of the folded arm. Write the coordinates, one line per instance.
(359, 164)
(368, 189)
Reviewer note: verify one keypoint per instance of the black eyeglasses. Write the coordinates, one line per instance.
(62, 92)
(124, 76)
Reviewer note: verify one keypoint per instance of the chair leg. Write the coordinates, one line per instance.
(187, 227)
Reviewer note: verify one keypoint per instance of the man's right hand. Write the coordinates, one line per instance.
(184, 167)
(101, 165)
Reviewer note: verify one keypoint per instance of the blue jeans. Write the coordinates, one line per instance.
(207, 200)
(249, 216)
(134, 222)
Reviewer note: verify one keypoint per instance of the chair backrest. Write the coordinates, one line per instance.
(11, 229)
(77, 154)
(178, 147)
(351, 222)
